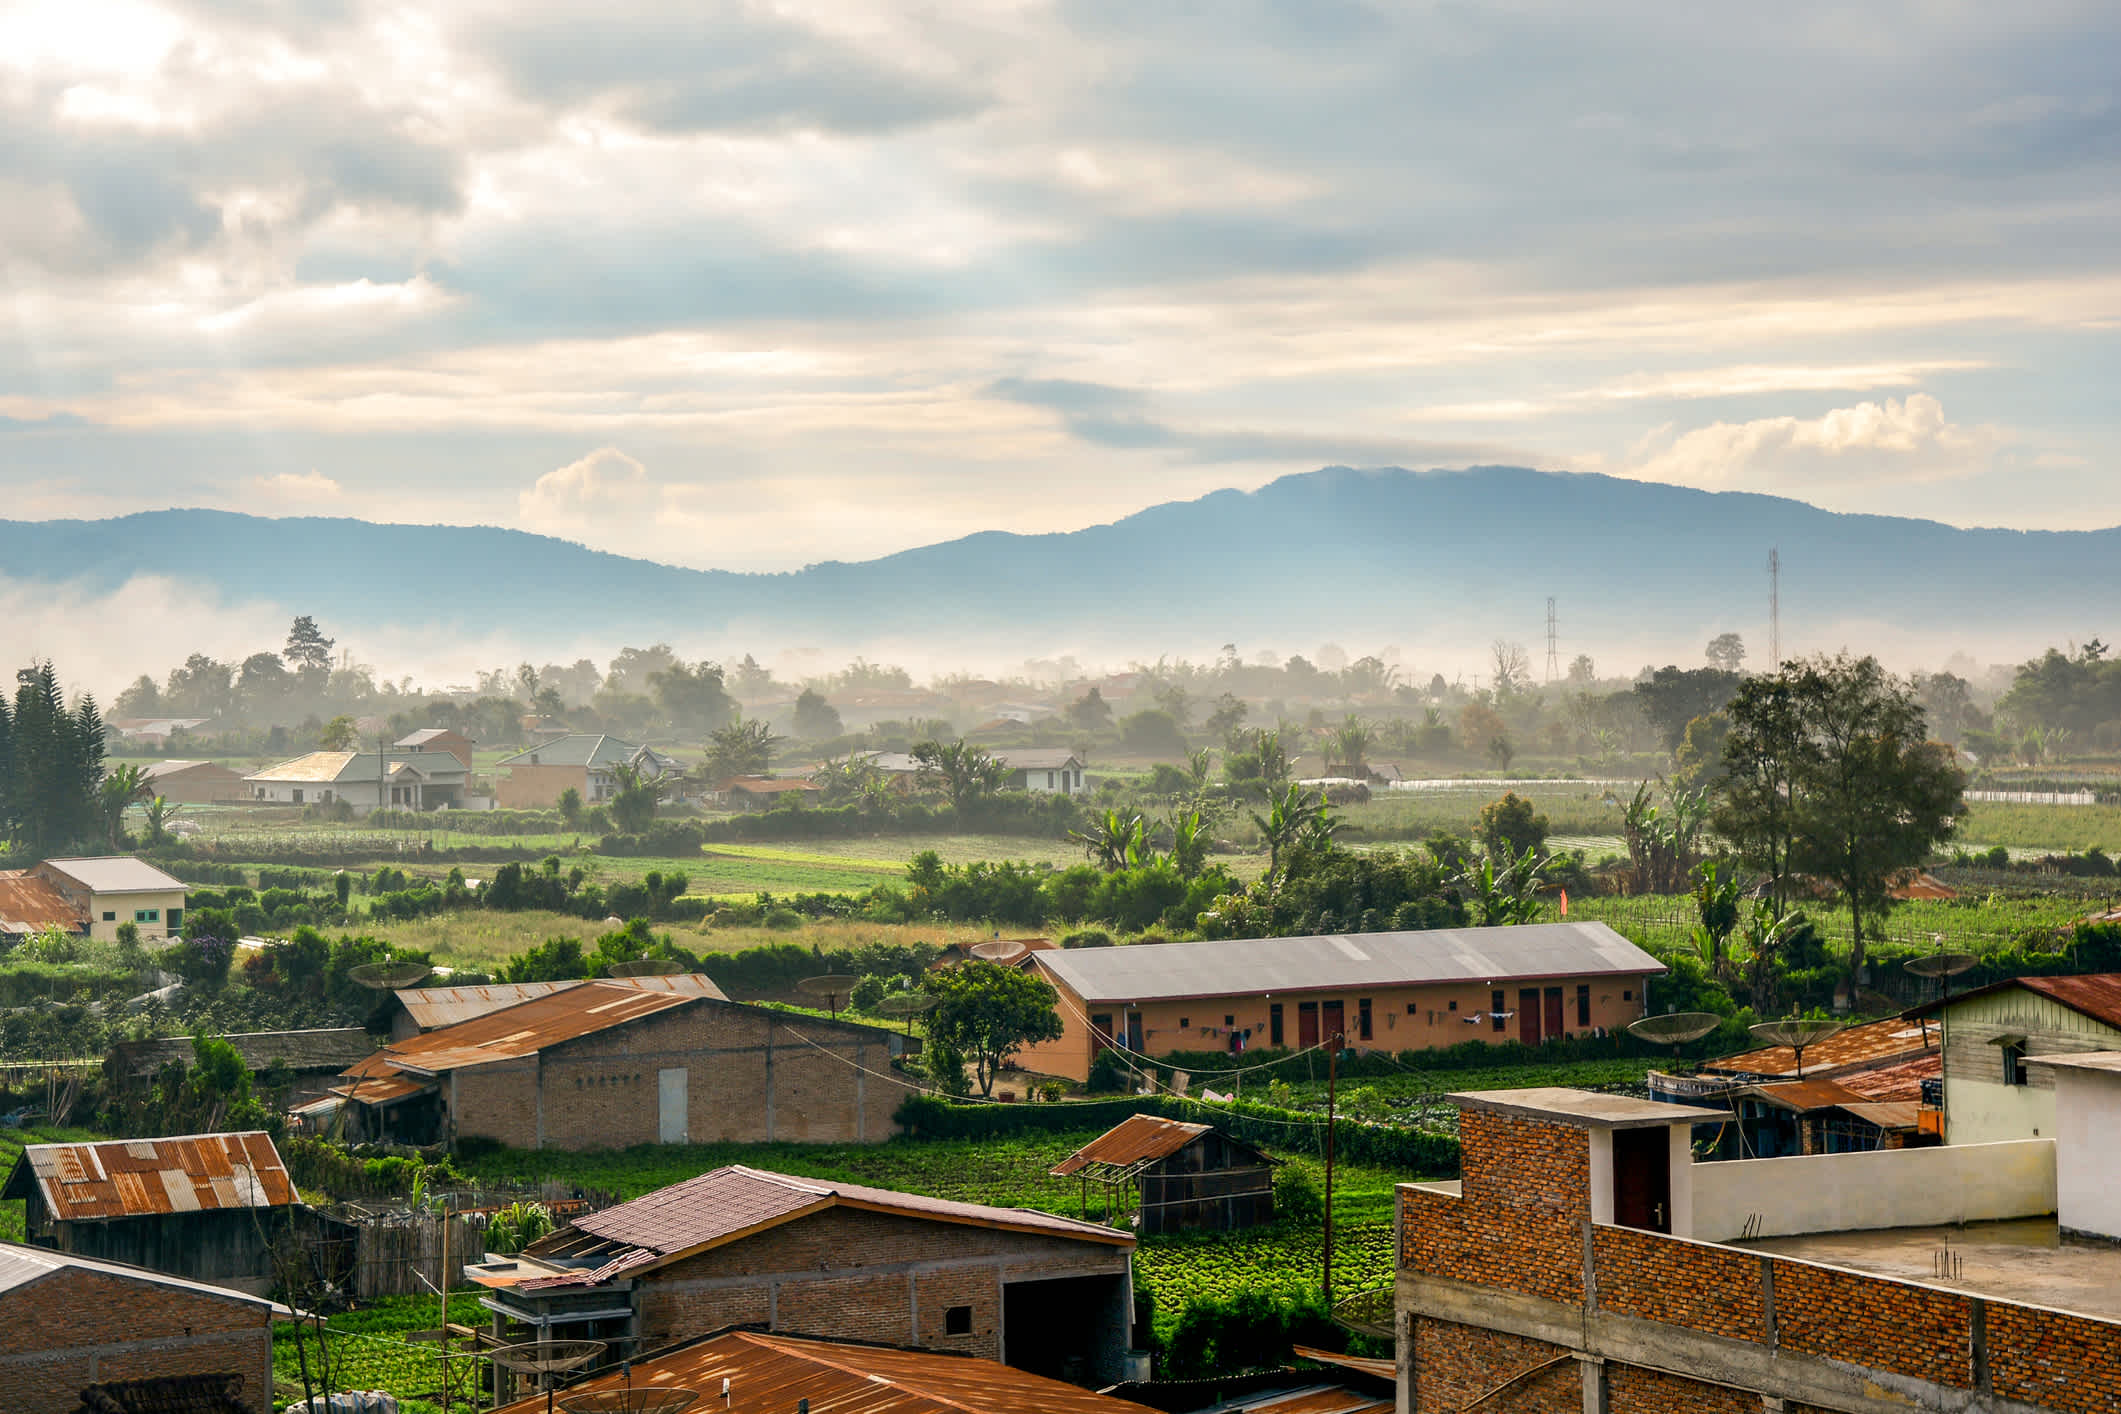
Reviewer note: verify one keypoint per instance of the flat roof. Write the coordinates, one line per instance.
(1142, 972)
(117, 874)
(2023, 1260)
(1586, 1108)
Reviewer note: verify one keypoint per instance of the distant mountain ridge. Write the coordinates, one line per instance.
(1362, 557)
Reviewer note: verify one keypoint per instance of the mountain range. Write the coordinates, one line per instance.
(1422, 560)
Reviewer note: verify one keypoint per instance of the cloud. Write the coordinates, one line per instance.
(1900, 440)
(604, 485)
(292, 488)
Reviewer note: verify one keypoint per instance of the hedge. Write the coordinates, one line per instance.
(1417, 1151)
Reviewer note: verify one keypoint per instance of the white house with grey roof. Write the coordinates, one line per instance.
(1043, 770)
(1373, 991)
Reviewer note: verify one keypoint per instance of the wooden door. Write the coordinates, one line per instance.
(1642, 1178)
(1335, 1027)
(1528, 1016)
(673, 1109)
(1306, 1025)
(1555, 1025)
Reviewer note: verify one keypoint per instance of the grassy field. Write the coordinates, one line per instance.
(2040, 829)
(480, 940)
(1969, 923)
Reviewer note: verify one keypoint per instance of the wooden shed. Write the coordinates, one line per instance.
(1189, 1176)
(205, 1207)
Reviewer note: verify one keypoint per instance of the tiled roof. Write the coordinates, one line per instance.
(1873, 1043)
(732, 1202)
(776, 1371)
(434, 1007)
(130, 1178)
(1895, 1082)
(116, 874)
(1144, 972)
(1134, 1140)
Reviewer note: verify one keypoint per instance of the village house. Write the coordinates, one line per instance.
(845, 1377)
(1989, 1091)
(749, 793)
(432, 740)
(205, 1207)
(586, 762)
(1006, 952)
(1378, 991)
(417, 1009)
(312, 1059)
(1584, 1262)
(153, 731)
(92, 896)
(1186, 1177)
(1042, 771)
(606, 1065)
(740, 1245)
(364, 780)
(194, 782)
(70, 1323)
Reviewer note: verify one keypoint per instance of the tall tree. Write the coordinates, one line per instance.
(742, 748)
(308, 651)
(693, 697)
(988, 1013)
(1764, 753)
(1671, 697)
(967, 773)
(1726, 652)
(816, 718)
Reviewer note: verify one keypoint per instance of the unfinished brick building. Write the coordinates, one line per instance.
(1584, 1263)
(739, 1246)
(607, 1065)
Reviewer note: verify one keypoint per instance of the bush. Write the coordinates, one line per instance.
(1297, 1198)
(1087, 938)
(1249, 1331)
(516, 1226)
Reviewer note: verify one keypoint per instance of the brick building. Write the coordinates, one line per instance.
(607, 1065)
(1382, 991)
(68, 1322)
(417, 1009)
(1584, 1263)
(741, 1246)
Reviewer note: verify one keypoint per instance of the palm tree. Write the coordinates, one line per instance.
(1294, 817)
(1189, 843)
(1350, 745)
(159, 813)
(1115, 840)
(966, 772)
(1506, 895)
(122, 785)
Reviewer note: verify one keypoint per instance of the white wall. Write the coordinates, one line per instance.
(1990, 1112)
(2088, 1151)
(1956, 1183)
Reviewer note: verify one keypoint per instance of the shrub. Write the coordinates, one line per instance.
(1296, 1195)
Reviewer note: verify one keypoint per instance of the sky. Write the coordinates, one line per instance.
(755, 285)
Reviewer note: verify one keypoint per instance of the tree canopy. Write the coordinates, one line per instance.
(987, 1013)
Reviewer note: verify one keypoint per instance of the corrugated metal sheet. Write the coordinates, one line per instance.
(23, 1266)
(772, 1372)
(1895, 1082)
(1250, 966)
(1870, 1044)
(1134, 1140)
(29, 904)
(1889, 1114)
(116, 874)
(130, 1178)
(432, 1008)
(1311, 1399)
(381, 1089)
(2096, 995)
(1383, 1367)
(1805, 1096)
(525, 1028)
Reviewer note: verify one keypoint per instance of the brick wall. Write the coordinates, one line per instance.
(1520, 1223)
(2054, 1360)
(76, 1328)
(1633, 1390)
(1909, 1330)
(880, 1276)
(1710, 1289)
(1455, 1365)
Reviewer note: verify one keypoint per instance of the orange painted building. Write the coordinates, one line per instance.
(1381, 991)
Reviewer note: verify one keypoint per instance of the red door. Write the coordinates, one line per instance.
(1642, 1178)
(1336, 1023)
(1555, 1026)
(1528, 1016)
(1306, 1025)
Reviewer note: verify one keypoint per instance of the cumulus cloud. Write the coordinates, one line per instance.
(604, 485)
(1899, 440)
(298, 488)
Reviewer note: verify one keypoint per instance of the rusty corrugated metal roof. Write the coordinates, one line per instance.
(728, 1203)
(131, 1178)
(30, 903)
(1895, 1082)
(1804, 1096)
(1137, 1139)
(2093, 994)
(1873, 1043)
(523, 1029)
(432, 1008)
(1888, 1114)
(772, 1372)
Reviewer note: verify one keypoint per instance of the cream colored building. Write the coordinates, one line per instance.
(1990, 1093)
(115, 889)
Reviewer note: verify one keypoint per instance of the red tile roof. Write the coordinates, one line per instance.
(729, 1203)
(131, 1178)
(775, 1371)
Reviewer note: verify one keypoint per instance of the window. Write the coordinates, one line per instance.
(1453, 1006)
(298, 795)
(1184, 1022)
(1229, 1021)
(2014, 1062)
(1496, 1005)
(147, 915)
(1627, 996)
(1583, 1005)
(1274, 1024)
(1362, 1018)
(110, 915)
(957, 1320)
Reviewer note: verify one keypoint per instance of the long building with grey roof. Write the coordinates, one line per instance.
(1374, 991)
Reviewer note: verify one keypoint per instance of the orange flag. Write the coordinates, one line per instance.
(1564, 903)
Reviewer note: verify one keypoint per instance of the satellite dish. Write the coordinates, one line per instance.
(1943, 964)
(1796, 1033)
(546, 1359)
(649, 1400)
(832, 986)
(906, 1004)
(389, 976)
(995, 949)
(1675, 1029)
(646, 967)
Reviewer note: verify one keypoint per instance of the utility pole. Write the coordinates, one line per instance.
(1553, 648)
(1774, 608)
(1332, 1073)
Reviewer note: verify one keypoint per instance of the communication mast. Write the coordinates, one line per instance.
(1774, 608)
(1553, 653)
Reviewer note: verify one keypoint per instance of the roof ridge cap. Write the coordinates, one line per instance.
(787, 1180)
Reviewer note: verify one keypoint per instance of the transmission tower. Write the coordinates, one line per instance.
(1553, 653)
(1774, 609)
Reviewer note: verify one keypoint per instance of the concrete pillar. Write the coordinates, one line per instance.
(1404, 1349)
(1595, 1394)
